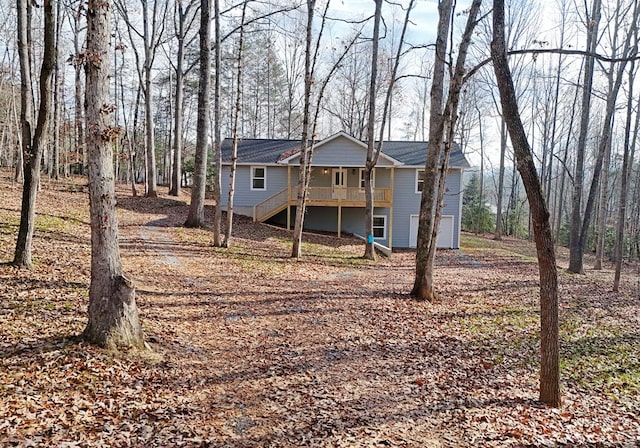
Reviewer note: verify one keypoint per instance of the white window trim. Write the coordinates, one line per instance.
(417, 178)
(384, 229)
(361, 178)
(253, 170)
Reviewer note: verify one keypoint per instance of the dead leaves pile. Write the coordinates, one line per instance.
(250, 348)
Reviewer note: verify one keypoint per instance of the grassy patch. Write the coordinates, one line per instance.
(49, 223)
(468, 241)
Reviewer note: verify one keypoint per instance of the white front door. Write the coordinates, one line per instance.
(338, 183)
(445, 233)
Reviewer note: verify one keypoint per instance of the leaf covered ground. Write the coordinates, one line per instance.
(248, 348)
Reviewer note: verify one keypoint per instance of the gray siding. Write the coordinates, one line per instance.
(243, 195)
(407, 202)
(341, 152)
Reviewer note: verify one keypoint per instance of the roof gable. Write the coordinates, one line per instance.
(333, 139)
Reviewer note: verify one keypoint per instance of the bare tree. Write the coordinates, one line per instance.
(575, 248)
(153, 25)
(186, 15)
(627, 163)
(369, 251)
(113, 315)
(33, 128)
(442, 125)
(196, 209)
(374, 149)
(236, 119)
(305, 149)
(549, 328)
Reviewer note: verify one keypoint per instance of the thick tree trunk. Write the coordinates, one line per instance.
(423, 282)
(442, 125)
(196, 209)
(549, 328)
(113, 315)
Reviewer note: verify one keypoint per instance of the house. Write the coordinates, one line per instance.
(267, 178)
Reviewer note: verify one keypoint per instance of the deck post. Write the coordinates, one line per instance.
(339, 220)
(288, 197)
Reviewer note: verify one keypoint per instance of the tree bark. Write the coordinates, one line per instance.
(549, 328)
(196, 208)
(423, 282)
(113, 315)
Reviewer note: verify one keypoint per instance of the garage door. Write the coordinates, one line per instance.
(445, 233)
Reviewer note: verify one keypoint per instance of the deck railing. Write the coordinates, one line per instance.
(346, 194)
(321, 195)
(266, 208)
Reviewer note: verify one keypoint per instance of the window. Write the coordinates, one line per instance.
(258, 178)
(373, 178)
(380, 227)
(419, 180)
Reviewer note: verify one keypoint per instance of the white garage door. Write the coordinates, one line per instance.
(445, 234)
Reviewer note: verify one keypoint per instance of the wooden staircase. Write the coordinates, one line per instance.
(271, 206)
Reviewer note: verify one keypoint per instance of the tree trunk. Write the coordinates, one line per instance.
(150, 145)
(549, 329)
(627, 163)
(296, 250)
(196, 209)
(576, 249)
(33, 139)
(113, 315)
(80, 149)
(370, 252)
(602, 208)
(612, 96)
(423, 282)
(176, 171)
(503, 149)
(217, 183)
(236, 120)
(441, 128)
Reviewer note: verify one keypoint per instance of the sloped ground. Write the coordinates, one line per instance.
(250, 348)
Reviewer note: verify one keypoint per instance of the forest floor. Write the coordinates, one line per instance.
(249, 348)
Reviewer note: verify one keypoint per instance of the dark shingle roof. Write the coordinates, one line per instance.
(258, 150)
(267, 151)
(415, 153)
